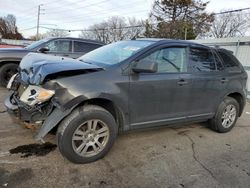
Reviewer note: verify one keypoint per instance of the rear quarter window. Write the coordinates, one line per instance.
(228, 59)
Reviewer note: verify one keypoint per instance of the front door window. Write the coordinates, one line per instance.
(173, 59)
(61, 46)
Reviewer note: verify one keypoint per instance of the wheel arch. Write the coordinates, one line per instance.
(240, 99)
(108, 105)
(4, 62)
(59, 114)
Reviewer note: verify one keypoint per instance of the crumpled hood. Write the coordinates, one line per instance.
(34, 68)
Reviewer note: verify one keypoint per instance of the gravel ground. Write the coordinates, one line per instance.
(180, 156)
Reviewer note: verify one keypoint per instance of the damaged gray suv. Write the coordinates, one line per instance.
(124, 86)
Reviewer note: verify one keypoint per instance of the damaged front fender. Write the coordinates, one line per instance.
(52, 121)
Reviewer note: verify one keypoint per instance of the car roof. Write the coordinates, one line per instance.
(164, 40)
(78, 39)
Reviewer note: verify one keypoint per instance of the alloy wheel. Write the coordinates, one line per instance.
(90, 138)
(228, 116)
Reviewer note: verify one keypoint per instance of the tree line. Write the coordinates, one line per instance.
(174, 19)
(8, 28)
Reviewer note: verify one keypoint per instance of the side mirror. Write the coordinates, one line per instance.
(145, 66)
(43, 49)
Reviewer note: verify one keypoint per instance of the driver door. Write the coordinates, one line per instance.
(164, 96)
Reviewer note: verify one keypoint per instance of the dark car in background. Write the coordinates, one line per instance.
(66, 47)
(124, 86)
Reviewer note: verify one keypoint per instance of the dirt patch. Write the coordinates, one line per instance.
(8, 179)
(103, 183)
(34, 149)
(3, 173)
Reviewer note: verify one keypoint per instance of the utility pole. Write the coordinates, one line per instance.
(185, 33)
(38, 21)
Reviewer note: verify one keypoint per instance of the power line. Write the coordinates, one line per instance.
(97, 13)
(67, 4)
(51, 2)
(89, 19)
(232, 11)
(87, 30)
(125, 27)
(104, 12)
(86, 6)
(30, 28)
(101, 29)
(79, 29)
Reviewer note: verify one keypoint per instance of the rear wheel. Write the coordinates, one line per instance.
(6, 72)
(87, 134)
(226, 115)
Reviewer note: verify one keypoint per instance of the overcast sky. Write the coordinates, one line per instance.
(79, 14)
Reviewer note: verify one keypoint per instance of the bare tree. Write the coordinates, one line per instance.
(137, 30)
(56, 33)
(114, 29)
(34, 37)
(229, 25)
(8, 28)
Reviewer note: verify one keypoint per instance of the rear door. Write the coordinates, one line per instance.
(208, 81)
(161, 97)
(234, 74)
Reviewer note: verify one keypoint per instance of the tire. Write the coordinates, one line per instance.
(76, 126)
(220, 123)
(6, 72)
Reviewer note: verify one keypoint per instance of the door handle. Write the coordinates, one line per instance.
(182, 82)
(224, 80)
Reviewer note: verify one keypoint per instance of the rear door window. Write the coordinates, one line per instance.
(228, 59)
(201, 60)
(84, 46)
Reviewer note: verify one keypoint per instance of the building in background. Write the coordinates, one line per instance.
(240, 46)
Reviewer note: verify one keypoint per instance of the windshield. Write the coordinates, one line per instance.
(36, 44)
(114, 53)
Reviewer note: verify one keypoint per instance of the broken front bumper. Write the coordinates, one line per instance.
(24, 113)
(12, 109)
(20, 114)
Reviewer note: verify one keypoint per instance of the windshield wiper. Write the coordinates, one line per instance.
(85, 62)
(171, 63)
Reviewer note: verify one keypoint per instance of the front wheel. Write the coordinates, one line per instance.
(87, 134)
(226, 115)
(6, 72)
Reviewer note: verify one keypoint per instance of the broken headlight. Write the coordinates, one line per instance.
(36, 95)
